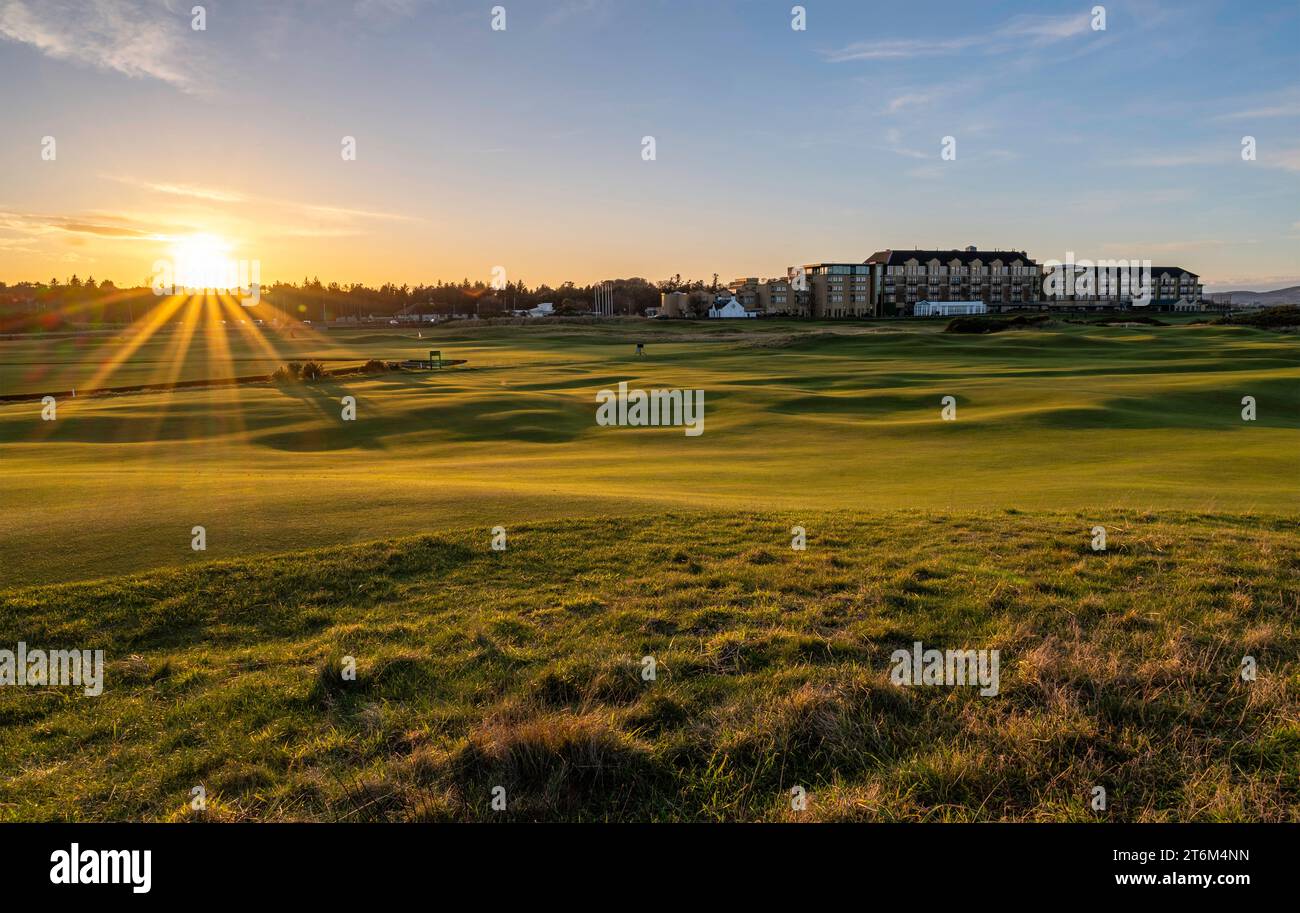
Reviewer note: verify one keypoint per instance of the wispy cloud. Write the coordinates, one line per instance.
(137, 38)
(193, 191)
(573, 9)
(1180, 159)
(1279, 105)
(25, 223)
(910, 100)
(899, 48)
(223, 195)
(1020, 31)
(1173, 246)
(345, 213)
(1286, 158)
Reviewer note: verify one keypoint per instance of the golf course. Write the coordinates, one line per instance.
(797, 417)
(522, 667)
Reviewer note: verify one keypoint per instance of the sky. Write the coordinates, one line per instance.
(523, 149)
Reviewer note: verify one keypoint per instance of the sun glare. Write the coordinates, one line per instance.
(203, 262)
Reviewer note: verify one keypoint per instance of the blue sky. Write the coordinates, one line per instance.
(522, 147)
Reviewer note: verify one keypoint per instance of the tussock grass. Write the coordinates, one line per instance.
(522, 669)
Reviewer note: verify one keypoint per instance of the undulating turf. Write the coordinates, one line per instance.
(798, 417)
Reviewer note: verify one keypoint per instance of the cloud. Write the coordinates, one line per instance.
(572, 9)
(1179, 159)
(894, 49)
(1284, 110)
(1019, 32)
(222, 195)
(1286, 158)
(137, 38)
(102, 226)
(1172, 246)
(1048, 28)
(344, 213)
(1280, 105)
(388, 9)
(193, 191)
(908, 100)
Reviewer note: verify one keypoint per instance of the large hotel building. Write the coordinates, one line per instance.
(891, 282)
(903, 283)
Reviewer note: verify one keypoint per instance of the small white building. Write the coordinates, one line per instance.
(729, 308)
(948, 308)
(545, 309)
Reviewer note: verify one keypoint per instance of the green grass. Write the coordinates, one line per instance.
(521, 669)
(799, 417)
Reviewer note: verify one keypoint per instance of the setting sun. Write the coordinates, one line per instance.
(203, 261)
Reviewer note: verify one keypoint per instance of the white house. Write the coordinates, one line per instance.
(948, 308)
(545, 309)
(729, 309)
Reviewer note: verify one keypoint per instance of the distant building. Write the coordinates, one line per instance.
(891, 282)
(1176, 289)
(778, 297)
(770, 297)
(1002, 280)
(730, 308)
(675, 304)
(545, 309)
(948, 308)
(746, 292)
(833, 289)
(1119, 285)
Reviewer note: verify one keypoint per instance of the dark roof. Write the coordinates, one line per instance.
(898, 257)
(1135, 264)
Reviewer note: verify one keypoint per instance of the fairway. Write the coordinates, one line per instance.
(798, 417)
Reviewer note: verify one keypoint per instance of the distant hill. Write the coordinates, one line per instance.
(1264, 299)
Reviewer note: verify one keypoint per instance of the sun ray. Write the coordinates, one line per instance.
(243, 322)
(219, 357)
(174, 364)
(148, 326)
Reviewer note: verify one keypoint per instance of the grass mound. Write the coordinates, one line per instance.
(1284, 317)
(985, 324)
(294, 372)
(1128, 318)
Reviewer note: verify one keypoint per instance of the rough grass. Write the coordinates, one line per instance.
(522, 670)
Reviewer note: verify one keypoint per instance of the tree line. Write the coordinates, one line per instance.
(77, 302)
